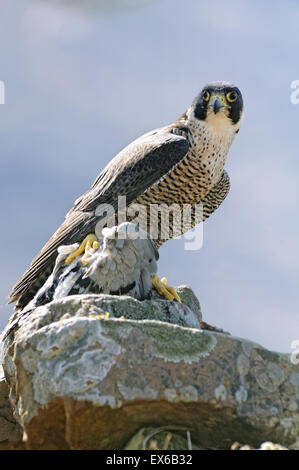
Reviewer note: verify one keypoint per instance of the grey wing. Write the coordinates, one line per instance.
(136, 168)
(129, 174)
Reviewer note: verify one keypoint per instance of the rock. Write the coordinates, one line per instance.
(90, 371)
(10, 431)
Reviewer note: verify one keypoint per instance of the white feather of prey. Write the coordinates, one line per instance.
(128, 256)
(123, 264)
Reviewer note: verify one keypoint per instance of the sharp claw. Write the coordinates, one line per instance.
(84, 259)
(163, 289)
(88, 242)
(174, 293)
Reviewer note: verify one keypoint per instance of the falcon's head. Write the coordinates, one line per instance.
(220, 105)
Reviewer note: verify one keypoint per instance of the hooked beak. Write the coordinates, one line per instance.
(216, 105)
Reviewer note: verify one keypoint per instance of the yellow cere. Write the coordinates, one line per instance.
(220, 98)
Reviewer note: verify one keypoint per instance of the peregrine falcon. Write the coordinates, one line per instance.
(181, 163)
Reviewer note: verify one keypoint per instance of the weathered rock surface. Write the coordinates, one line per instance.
(81, 379)
(10, 431)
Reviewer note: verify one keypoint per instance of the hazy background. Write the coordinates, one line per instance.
(83, 81)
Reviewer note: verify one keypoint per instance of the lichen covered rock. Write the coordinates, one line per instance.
(88, 372)
(10, 430)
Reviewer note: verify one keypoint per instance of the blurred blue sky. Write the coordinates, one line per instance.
(83, 82)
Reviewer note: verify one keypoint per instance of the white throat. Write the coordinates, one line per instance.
(218, 124)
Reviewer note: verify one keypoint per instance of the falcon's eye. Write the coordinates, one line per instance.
(206, 95)
(232, 96)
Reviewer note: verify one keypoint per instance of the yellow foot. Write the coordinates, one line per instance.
(89, 242)
(163, 289)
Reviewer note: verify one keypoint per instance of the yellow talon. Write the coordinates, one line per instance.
(95, 245)
(88, 242)
(171, 290)
(163, 289)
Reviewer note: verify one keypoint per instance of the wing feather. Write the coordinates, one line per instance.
(141, 164)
